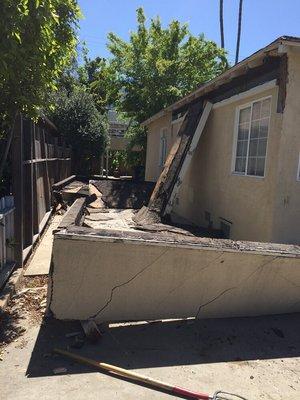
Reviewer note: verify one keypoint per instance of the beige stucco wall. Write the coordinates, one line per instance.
(134, 280)
(210, 185)
(153, 169)
(286, 226)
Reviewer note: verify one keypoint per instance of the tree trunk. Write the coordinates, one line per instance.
(222, 25)
(239, 32)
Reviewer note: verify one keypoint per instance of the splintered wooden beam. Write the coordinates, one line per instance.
(188, 156)
(163, 193)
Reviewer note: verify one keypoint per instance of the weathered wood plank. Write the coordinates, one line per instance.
(164, 186)
(17, 184)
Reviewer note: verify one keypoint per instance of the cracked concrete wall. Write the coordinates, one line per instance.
(122, 280)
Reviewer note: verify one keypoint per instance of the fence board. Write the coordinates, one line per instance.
(39, 159)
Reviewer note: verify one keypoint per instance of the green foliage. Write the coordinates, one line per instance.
(155, 68)
(37, 42)
(160, 65)
(78, 119)
(137, 139)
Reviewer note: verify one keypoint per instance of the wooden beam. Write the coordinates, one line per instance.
(17, 184)
(282, 81)
(165, 184)
(188, 157)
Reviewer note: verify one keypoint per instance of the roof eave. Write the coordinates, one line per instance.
(225, 76)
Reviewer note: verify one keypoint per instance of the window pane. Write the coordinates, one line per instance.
(243, 131)
(260, 166)
(241, 149)
(251, 165)
(240, 164)
(265, 108)
(253, 147)
(256, 110)
(263, 127)
(262, 147)
(244, 115)
(254, 130)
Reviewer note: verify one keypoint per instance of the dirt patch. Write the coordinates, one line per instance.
(28, 304)
(123, 193)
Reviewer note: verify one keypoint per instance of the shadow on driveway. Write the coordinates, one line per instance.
(170, 343)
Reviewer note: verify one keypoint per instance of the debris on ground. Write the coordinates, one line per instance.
(60, 370)
(91, 330)
(28, 303)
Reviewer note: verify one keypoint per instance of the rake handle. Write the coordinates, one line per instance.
(134, 376)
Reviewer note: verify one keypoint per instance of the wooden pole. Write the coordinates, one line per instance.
(134, 376)
(18, 187)
(107, 152)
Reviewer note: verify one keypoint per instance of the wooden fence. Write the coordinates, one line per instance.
(40, 158)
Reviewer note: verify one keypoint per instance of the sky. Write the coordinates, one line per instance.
(263, 21)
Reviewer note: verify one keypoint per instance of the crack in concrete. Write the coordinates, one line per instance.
(126, 283)
(187, 279)
(258, 269)
(214, 299)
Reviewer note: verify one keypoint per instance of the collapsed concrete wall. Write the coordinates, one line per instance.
(126, 276)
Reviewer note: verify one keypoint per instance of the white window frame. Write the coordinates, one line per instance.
(298, 170)
(163, 156)
(236, 126)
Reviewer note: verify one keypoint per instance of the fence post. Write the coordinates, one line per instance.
(17, 184)
(28, 182)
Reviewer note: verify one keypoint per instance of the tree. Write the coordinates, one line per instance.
(159, 65)
(222, 25)
(78, 119)
(156, 67)
(238, 40)
(37, 41)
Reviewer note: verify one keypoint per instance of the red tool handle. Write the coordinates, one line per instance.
(190, 394)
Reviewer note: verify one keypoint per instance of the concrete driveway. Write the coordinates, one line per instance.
(258, 358)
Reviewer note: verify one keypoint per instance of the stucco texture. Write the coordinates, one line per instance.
(210, 185)
(113, 280)
(286, 218)
(263, 209)
(153, 169)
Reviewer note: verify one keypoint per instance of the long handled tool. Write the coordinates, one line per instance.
(219, 395)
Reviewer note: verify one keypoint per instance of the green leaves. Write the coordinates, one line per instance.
(39, 42)
(78, 119)
(159, 65)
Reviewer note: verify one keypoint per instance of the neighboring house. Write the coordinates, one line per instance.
(117, 141)
(244, 176)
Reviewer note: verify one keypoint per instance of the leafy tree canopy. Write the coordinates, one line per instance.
(37, 42)
(78, 119)
(157, 66)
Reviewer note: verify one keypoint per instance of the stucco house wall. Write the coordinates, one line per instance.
(154, 130)
(257, 208)
(210, 186)
(286, 219)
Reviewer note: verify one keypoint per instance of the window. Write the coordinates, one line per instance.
(163, 147)
(252, 135)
